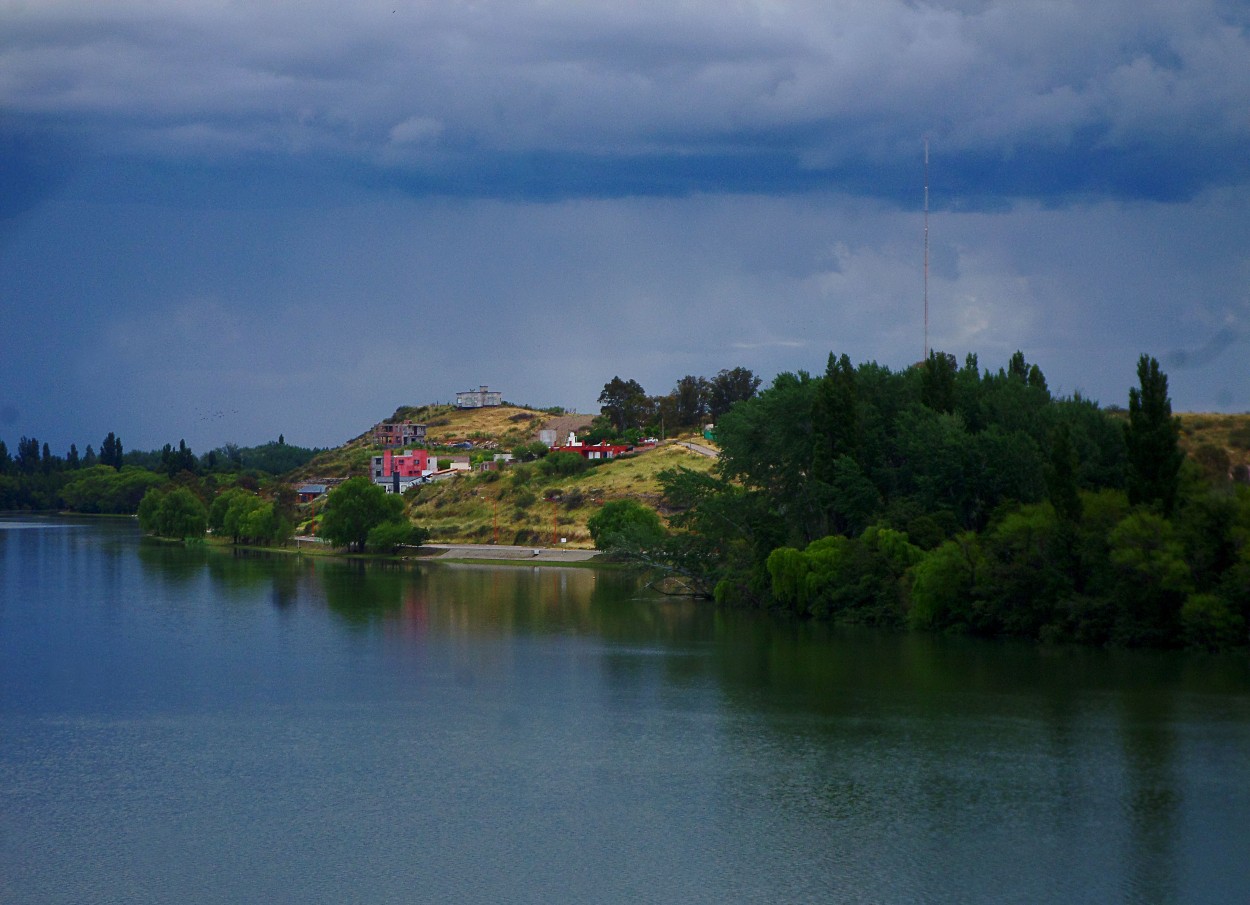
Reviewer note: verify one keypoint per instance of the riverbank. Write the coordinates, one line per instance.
(481, 554)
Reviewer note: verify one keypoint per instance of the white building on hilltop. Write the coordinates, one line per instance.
(479, 398)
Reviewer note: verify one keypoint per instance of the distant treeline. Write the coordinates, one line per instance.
(946, 498)
(114, 481)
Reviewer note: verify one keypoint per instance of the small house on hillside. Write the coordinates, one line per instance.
(393, 434)
(594, 451)
(309, 492)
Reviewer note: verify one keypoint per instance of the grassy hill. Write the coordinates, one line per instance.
(1218, 443)
(496, 428)
(516, 504)
(521, 505)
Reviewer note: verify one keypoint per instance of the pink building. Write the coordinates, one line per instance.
(399, 471)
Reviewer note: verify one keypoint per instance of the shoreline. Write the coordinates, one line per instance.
(472, 554)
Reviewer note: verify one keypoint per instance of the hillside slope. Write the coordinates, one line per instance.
(520, 505)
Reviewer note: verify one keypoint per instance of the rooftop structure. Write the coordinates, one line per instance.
(480, 398)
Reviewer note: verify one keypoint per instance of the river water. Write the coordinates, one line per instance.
(197, 726)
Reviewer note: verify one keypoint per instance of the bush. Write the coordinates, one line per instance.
(528, 452)
(563, 464)
(625, 526)
(1210, 623)
(384, 538)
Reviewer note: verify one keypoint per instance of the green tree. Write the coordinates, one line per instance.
(1209, 622)
(835, 425)
(237, 514)
(624, 403)
(1061, 486)
(937, 381)
(104, 489)
(944, 585)
(1152, 435)
(111, 451)
(176, 513)
(1028, 571)
(728, 388)
(220, 505)
(766, 445)
(720, 537)
(528, 452)
(690, 398)
(265, 524)
(1153, 579)
(389, 535)
(28, 455)
(626, 527)
(355, 508)
(563, 464)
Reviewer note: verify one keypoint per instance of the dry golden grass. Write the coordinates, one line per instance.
(1205, 434)
(520, 506)
(501, 427)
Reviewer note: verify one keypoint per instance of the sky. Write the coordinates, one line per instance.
(222, 220)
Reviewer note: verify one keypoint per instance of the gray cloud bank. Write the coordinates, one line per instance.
(224, 220)
(535, 99)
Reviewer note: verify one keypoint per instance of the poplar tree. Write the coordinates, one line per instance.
(1152, 435)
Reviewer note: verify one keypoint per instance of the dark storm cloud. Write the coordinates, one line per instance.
(306, 213)
(512, 99)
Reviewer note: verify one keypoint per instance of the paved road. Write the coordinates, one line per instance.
(504, 551)
(700, 449)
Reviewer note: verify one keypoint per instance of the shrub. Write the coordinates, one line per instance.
(1209, 622)
(625, 526)
(384, 538)
(563, 464)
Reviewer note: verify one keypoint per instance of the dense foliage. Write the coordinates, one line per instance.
(361, 515)
(174, 513)
(946, 498)
(114, 481)
(628, 413)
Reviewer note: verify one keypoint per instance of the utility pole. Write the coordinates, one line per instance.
(926, 248)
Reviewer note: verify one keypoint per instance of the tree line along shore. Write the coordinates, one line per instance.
(940, 497)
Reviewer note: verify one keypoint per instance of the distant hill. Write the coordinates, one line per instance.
(1218, 443)
(493, 428)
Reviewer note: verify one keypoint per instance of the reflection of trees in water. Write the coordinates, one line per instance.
(172, 563)
(503, 600)
(1152, 799)
(360, 593)
(235, 575)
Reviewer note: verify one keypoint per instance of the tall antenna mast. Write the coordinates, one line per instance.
(926, 248)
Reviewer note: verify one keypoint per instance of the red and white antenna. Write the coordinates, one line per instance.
(926, 248)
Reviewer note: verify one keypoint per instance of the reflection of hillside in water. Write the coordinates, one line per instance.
(858, 754)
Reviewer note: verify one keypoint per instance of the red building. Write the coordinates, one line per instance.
(396, 472)
(594, 451)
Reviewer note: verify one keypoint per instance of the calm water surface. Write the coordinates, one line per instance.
(183, 726)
